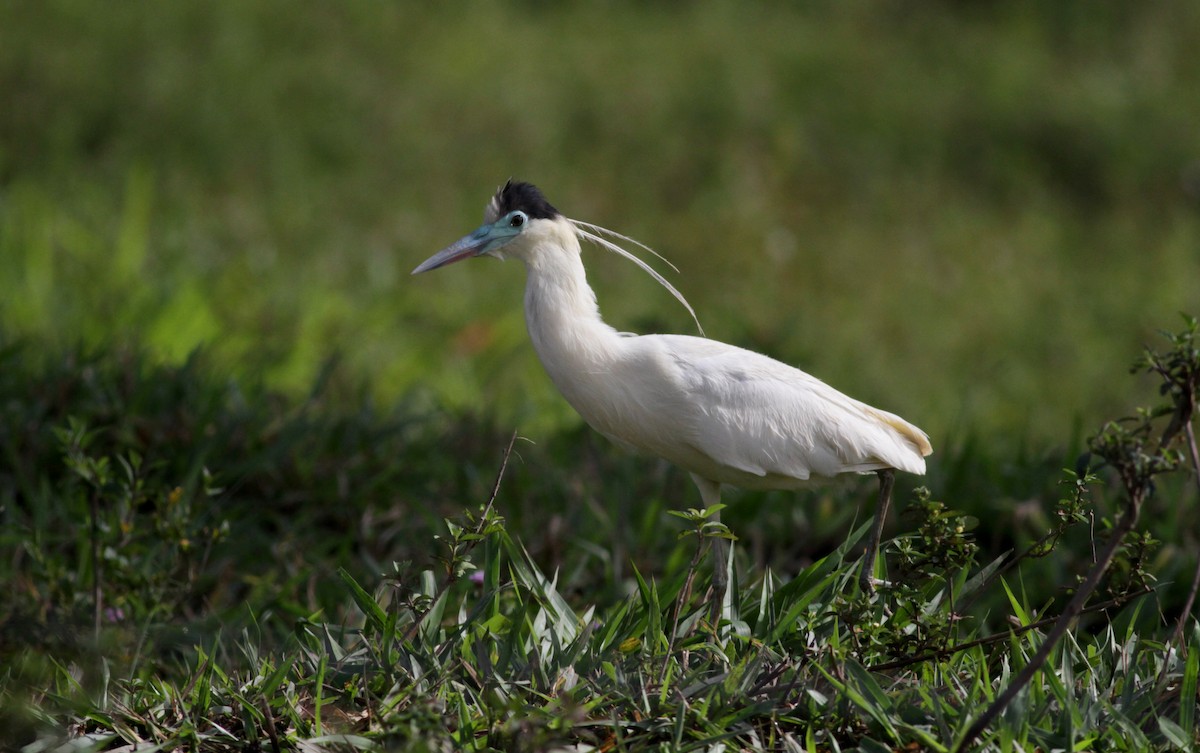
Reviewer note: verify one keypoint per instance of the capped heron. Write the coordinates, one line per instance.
(726, 415)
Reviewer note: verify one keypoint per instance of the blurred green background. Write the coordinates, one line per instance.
(972, 214)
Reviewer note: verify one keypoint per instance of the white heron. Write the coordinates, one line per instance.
(727, 415)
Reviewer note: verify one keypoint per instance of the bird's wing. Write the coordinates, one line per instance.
(751, 414)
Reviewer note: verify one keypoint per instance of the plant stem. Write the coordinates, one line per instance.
(682, 600)
(500, 474)
(1074, 609)
(1000, 571)
(97, 590)
(1177, 636)
(988, 639)
(483, 518)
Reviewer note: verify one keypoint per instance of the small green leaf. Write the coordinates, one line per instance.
(1018, 610)
(1187, 692)
(365, 601)
(1174, 734)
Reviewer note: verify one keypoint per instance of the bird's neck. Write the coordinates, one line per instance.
(562, 315)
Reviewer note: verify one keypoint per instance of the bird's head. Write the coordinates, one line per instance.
(519, 222)
(516, 216)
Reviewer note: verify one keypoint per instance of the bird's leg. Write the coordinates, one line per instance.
(720, 574)
(866, 579)
(710, 494)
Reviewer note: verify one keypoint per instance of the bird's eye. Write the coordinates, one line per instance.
(517, 220)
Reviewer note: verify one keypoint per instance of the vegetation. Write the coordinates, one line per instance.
(191, 565)
(260, 491)
(966, 214)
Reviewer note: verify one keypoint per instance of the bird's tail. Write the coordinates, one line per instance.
(912, 437)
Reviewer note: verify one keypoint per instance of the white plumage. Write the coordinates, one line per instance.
(725, 414)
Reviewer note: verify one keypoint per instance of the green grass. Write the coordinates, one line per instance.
(278, 572)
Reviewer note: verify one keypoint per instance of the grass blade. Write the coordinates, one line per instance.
(365, 601)
(1187, 693)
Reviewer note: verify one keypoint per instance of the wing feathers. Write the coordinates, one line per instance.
(747, 414)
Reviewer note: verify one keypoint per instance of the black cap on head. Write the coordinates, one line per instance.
(516, 195)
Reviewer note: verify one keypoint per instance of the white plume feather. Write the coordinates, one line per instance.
(595, 234)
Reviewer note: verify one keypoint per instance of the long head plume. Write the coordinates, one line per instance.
(519, 196)
(602, 237)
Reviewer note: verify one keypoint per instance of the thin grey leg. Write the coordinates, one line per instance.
(887, 477)
(710, 494)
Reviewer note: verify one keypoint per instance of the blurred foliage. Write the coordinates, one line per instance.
(216, 495)
(965, 212)
(286, 568)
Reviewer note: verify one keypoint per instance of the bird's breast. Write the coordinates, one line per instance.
(629, 394)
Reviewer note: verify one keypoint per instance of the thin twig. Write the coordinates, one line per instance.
(1062, 624)
(1041, 543)
(1177, 636)
(682, 600)
(269, 718)
(500, 474)
(982, 588)
(97, 588)
(986, 640)
(448, 578)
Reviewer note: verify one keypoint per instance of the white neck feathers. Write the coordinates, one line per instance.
(560, 309)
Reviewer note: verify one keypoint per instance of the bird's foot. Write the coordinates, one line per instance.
(869, 583)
